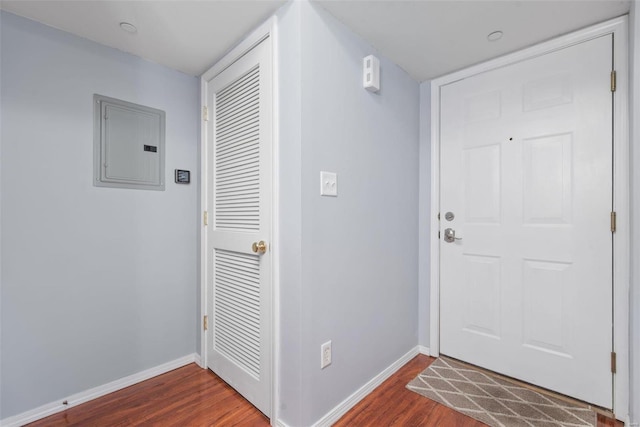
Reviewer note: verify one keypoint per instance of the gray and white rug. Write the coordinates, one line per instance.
(495, 401)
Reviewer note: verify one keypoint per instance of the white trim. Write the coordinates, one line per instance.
(94, 393)
(197, 360)
(424, 350)
(621, 267)
(275, 224)
(204, 205)
(434, 267)
(267, 30)
(254, 38)
(612, 26)
(334, 415)
(622, 236)
(280, 423)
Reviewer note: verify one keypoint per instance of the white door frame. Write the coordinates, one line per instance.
(621, 263)
(266, 31)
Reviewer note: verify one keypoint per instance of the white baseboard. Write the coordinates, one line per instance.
(93, 393)
(424, 350)
(198, 360)
(342, 408)
(280, 423)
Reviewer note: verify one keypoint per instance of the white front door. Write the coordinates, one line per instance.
(526, 177)
(239, 135)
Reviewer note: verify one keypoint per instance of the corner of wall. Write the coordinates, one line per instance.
(424, 230)
(371, 140)
(289, 395)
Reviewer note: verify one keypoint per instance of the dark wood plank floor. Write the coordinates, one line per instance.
(392, 404)
(191, 396)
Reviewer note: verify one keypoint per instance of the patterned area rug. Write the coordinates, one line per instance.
(495, 401)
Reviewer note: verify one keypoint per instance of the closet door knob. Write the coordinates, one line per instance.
(259, 247)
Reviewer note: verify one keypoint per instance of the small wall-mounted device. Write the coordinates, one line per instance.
(328, 184)
(371, 73)
(182, 176)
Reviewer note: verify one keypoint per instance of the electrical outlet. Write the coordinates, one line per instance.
(325, 355)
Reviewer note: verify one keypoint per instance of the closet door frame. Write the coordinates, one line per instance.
(265, 32)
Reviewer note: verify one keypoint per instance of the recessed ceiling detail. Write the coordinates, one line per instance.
(129, 28)
(494, 36)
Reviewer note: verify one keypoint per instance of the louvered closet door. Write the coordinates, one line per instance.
(239, 295)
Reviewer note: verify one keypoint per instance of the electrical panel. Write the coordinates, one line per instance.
(128, 145)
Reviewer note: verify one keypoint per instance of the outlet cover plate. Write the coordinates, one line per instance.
(325, 355)
(328, 184)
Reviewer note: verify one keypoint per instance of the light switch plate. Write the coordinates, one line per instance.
(328, 184)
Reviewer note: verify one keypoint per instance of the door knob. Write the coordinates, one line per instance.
(259, 247)
(450, 235)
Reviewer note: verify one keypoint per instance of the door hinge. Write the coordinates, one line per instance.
(205, 218)
(613, 222)
(438, 234)
(205, 113)
(613, 81)
(205, 322)
(613, 362)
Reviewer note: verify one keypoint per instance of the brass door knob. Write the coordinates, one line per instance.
(259, 247)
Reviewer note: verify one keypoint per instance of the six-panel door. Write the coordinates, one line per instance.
(526, 167)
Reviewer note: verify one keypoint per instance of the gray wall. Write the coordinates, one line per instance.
(97, 283)
(634, 300)
(290, 207)
(424, 298)
(358, 283)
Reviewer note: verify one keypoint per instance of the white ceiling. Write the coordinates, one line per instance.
(432, 38)
(185, 35)
(427, 38)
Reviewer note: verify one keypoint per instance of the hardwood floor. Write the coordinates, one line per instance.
(392, 404)
(191, 396)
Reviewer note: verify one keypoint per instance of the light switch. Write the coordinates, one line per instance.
(328, 184)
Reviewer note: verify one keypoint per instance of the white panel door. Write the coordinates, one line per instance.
(526, 170)
(239, 289)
